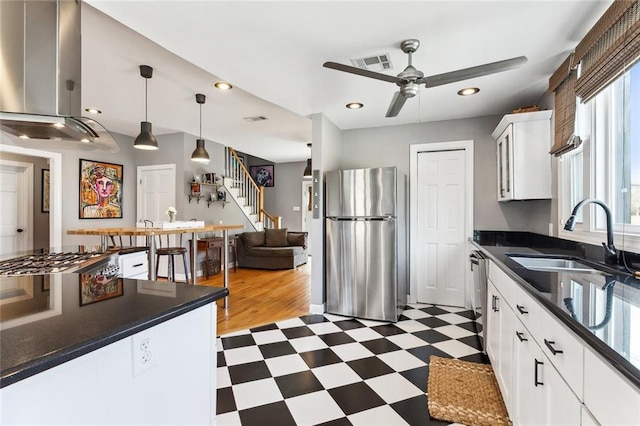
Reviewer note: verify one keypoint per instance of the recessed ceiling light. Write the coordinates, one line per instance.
(84, 140)
(468, 91)
(93, 111)
(354, 105)
(24, 137)
(58, 125)
(223, 85)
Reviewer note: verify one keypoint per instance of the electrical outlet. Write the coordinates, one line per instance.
(144, 352)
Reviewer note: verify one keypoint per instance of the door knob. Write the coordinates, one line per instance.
(20, 230)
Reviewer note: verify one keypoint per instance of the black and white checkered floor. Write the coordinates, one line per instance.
(328, 369)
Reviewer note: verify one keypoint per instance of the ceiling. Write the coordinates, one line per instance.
(273, 51)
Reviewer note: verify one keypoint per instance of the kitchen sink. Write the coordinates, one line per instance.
(551, 264)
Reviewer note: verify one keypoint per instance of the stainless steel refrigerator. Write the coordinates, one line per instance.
(366, 243)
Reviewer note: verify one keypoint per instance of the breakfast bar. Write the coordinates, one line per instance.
(105, 233)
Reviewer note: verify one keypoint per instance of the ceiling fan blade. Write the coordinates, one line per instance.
(365, 73)
(473, 72)
(396, 104)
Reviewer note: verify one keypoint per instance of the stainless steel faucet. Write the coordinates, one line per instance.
(610, 253)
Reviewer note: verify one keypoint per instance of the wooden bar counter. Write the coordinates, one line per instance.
(105, 233)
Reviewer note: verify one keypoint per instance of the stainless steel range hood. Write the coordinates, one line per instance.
(40, 76)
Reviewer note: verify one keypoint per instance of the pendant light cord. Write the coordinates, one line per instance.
(146, 80)
(200, 121)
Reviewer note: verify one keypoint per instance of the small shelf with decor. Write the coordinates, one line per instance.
(211, 192)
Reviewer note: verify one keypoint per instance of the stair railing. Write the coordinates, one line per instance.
(249, 189)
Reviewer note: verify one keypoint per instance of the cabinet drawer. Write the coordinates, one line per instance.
(134, 264)
(503, 283)
(563, 349)
(609, 397)
(528, 311)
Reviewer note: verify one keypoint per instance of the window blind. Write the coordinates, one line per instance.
(608, 48)
(562, 82)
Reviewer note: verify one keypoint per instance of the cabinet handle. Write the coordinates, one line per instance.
(536, 363)
(138, 264)
(494, 304)
(553, 350)
(521, 337)
(521, 309)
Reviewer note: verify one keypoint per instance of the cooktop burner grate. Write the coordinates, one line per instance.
(45, 263)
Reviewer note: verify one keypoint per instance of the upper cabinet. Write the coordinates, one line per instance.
(524, 164)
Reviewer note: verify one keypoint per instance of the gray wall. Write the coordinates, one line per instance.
(71, 155)
(40, 219)
(286, 194)
(389, 146)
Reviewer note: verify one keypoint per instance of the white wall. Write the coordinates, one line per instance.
(100, 387)
(326, 152)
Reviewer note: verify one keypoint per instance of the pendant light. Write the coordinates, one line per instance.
(200, 155)
(145, 139)
(307, 170)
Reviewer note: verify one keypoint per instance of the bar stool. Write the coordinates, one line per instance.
(167, 250)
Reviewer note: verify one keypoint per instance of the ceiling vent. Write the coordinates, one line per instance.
(373, 63)
(255, 118)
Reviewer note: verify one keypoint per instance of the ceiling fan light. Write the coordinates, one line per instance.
(145, 139)
(468, 91)
(93, 110)
(200, 154)
(354, 105)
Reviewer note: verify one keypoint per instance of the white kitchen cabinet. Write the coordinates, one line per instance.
(550, 377)
(523, 160)
(610, 398)
(564, 350)
(500, 342)
(134, 265)
(527, 394)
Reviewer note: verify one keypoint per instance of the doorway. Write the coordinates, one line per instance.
(16, 198)
(441, 221)
(55, 195)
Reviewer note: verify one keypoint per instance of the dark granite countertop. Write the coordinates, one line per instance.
(603, 308)
(46, 320)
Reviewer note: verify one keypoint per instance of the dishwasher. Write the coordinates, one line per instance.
(478, 263)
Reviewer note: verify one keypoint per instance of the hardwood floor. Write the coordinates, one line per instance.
(258, 297)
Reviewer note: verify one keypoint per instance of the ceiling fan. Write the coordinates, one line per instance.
(410, 79)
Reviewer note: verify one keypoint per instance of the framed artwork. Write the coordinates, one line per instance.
(262, 175)
(45, 189)
(100, 190)
(96, 288)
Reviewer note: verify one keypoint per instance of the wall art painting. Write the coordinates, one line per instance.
(45, 188)
(262, 175)
(100, 190)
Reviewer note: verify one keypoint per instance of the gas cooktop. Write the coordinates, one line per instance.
(45, 263)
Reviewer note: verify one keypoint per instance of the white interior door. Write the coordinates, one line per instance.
(16, 199)
(156, 191)
(307, 211)
(440, 260)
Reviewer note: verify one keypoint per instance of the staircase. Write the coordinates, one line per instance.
(248, 195)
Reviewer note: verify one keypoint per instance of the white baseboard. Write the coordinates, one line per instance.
(411, 299)
(317, 309)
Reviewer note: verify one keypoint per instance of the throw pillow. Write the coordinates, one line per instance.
(275, 237)
(253, 239)
(297, 239)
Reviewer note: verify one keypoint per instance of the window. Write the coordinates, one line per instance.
(607, 165)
